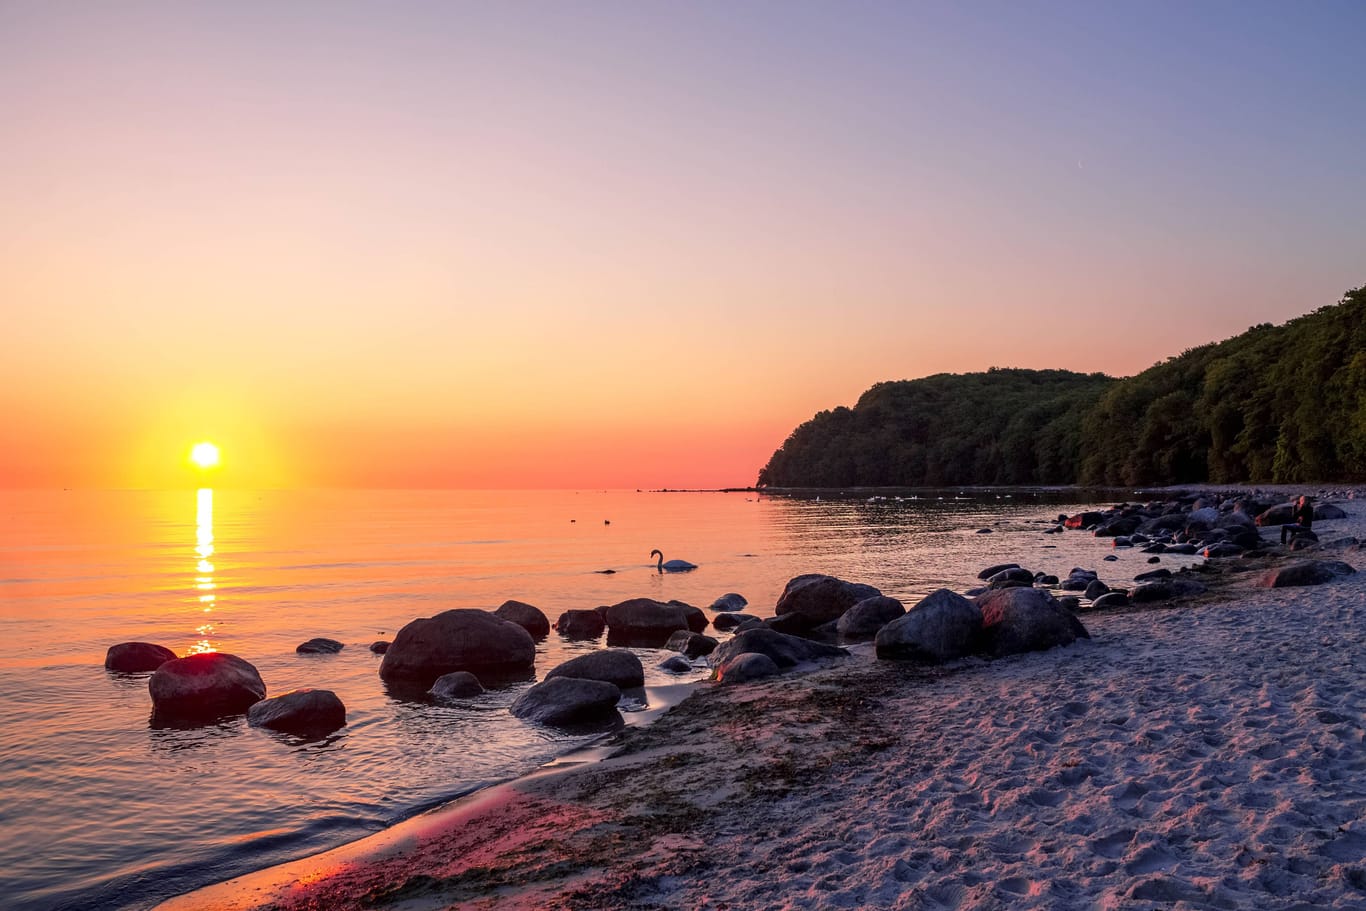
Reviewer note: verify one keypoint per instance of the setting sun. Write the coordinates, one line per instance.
(205, 455)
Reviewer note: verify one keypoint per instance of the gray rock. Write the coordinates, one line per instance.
(319, 646)
(746, 666)
(1207, 516)
(1280, 514)
(993, 570)
(785, 650)
(580, 624)
(303, 711)
(1111, 599)
(693, 645)
(1327, 512)
(864, 619)
(136, 657)
(645, 622)
(821, 598)
(1015, 574)
(697, 620)
(675, 664)
(459, 685)
(730, 602)
(380, 646)
(458, 640)
(1017, 620)
(1109, 558)
(941, 627)
(1153, 575)
(613, 665)
(205, 685)
(568, 701)
(1306, 572)
(526, 616)
(723, 622)
(1095, 589)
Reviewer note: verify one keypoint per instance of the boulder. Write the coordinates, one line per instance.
(746, 666)
(1224, 549)
(580, 624)
(136, 657)
(697, 620)
(1109, 558)
(526, 616)
(821, 598)
(1153, 574)
(785, 650)
(458, 640)
(644, 622)
(1327, 512)
(942, 626)
(1070, 602)
(1017, 620)
(723, 622)
(693, 645)
(304, 711)
(1184, 549)
(792, 624)
(1095, 589)
(204, 686)
(458, 685)
(993, 570)
(380, 646)
(568, 701)
(1124, 525)
(1306, 572)
(1083, 520)
(1014, 574)
(1206, 516)
(1111, 599)
(319, 646)
(864, 619)
(675, 664)
(730, 602)
(616, 666)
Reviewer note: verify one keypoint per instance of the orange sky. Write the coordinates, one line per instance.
(527, 247)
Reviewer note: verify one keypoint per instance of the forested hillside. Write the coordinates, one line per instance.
(1275, 404)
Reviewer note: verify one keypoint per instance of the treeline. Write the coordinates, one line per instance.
(1276, 404)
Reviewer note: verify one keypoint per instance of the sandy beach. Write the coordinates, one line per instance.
(1204, 755)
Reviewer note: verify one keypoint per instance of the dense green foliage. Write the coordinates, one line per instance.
(1275, 404)
(998, 427)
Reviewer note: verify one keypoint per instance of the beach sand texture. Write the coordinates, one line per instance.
(1202, 756)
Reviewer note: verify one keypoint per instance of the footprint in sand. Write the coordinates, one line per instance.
(1114, 844)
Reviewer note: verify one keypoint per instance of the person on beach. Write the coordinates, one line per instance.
(1303, 516)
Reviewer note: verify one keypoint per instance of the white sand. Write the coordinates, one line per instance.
(1205, 756)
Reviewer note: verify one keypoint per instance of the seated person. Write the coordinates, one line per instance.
(1303, 516)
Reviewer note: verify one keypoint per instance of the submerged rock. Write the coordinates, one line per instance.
(693, 645)
(303, 711)
(205, 686)
(614, 665)
(580, 624)
(723, 622)
(136, 657)
(456, 685)
(458, 640)
(730, 602)
(526, 616)
(319, 646)
(568, 701)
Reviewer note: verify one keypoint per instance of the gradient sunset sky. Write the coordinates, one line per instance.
(629, 244)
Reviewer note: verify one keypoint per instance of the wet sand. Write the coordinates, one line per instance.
(1205, 755)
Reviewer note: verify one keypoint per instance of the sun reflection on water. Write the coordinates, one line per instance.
(204, 582)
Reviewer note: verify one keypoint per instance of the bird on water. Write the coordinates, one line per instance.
(673, 566)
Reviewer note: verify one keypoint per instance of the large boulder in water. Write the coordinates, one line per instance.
(136, 657)
(568, 701)
(644, 622)
(458, 640)
(614, 665)
(580, 624)
(526, 616)
(1306, 572)
(694, 645)
(300, 712)
(205, 686)
(821, 598)
(1017, 620)
(730, 602)
(941, 627)
(864, 619)
(785, 650)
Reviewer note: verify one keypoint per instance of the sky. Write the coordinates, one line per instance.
(574, 245)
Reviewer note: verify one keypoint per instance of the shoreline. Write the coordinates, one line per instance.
(804, 779)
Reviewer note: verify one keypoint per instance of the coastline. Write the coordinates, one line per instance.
(1207, 754)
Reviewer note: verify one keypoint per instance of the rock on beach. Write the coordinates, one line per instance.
(205, 686)
(458, 640)
(305, 711)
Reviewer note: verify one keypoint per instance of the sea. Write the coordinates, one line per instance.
(100, 808)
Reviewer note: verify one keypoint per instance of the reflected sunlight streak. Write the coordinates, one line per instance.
(204, 581)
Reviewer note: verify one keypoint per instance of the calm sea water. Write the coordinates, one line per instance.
(99, 809)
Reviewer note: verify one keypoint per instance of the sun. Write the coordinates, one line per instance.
(205, 455)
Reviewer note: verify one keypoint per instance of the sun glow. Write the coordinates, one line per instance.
(205, 455)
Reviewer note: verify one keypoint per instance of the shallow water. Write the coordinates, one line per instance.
(101, 809)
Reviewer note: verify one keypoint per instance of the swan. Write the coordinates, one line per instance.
(673, 566)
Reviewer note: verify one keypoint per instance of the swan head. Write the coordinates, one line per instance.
(657, 553)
